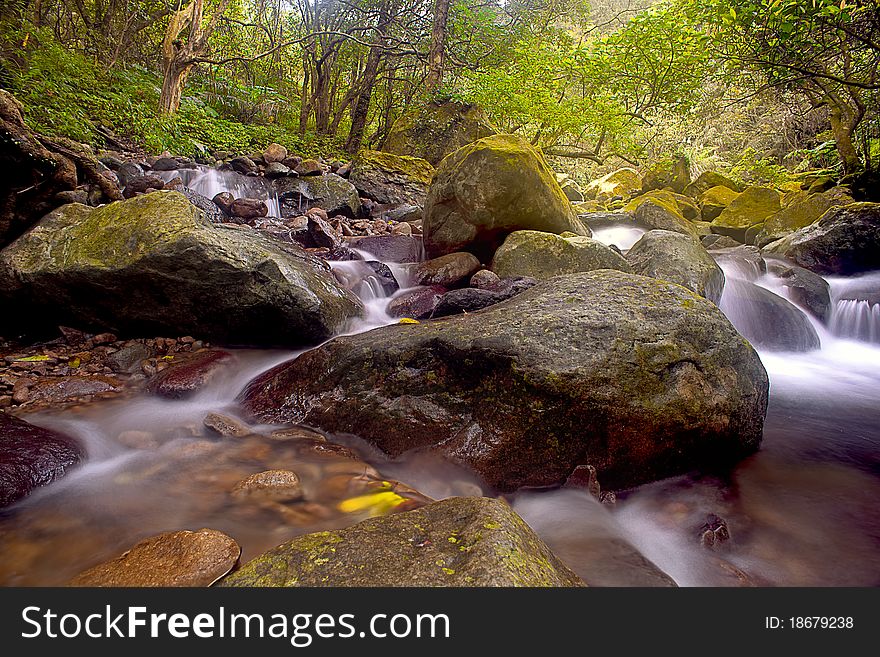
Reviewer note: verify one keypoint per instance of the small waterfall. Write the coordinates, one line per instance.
(209, 182)
(623, 236)
(855, 312)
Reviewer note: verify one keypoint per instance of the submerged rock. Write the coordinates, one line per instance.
(182, 558)
(188, 377)
(488, 189)
(638, 377)
(31, 456)
(461, 541)
(153, 265)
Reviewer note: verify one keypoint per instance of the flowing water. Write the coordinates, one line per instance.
(209, 182)
(801, 511)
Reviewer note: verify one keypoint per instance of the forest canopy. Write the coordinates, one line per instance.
(762, 86)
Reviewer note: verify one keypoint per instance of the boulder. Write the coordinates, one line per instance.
(767, 320)
(31, 456)
(484, 279)
(390, 248)
(713, 241)
(544, 255)
(153, 265)
(624, 183)
(488, 189)
(433, 131)
(274, 153)
(191, 375)
(309, 168)
(387, 178)
(660, 210)
(750, 208)
(181, 558)
(801, 210)
(714, 200)
(416, 304)
(128, 171)
(844, 241)
(471, 299)
(276, 170)
(672, 173)
(640, 378)
(166, 164)
(248, 208)
(571, 189)
(243, 165)
(329, 192)
(805, 288)
(678, 259)
(460, 541)
(707, 180)
(448, 270)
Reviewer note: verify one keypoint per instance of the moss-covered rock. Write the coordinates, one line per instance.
(153, 265)
(638, 377)
(800, 210)
(714, 200)
(622, 182)
(433, 131)
(845, 240)
(388, 178)
(460, 541)
(678, 259)
(544, 255)
(488, 189)
(659, 209)
(750, 208)
(709, 179)
(331, 193)
(673, 173)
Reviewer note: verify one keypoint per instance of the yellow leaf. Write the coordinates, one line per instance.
(73, 362)
(376, 503)
(31, 359)
(408, 320)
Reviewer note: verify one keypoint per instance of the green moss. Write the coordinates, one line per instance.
(414, 167)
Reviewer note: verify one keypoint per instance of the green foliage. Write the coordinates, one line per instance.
(753, 169)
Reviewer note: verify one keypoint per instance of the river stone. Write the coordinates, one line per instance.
(708, 180)
(640, 378)
(804, 287)
(659, 210)
(801, 210)
(181, 558)
(766, 319)
(153, 265)
(243, 165)
(274, 153)
(416, 304)
(188, 377)
(488, 189)
(750, 208)
(211, 209)
(845, 241)
(714, 200)
(466, 300)
(226, 426)
(248, 208)
(622, 182)
(544, 255)
(388, 178)
(58, 389)
(713, 241)
(277, 485)
(460, 541)
(329, 192)
(484, 279)
(436, 129)
(448, 270)
(678, 259)
(129, 358)
(31, 456)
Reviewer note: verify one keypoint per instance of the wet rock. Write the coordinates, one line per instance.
(329, 192)
(465, 541)
(276, 170)
(140, 185)
(224, 425)
(448, 270)
(128, 172)
(844, 241)
(31, 456)
(489, 189)
(206, 205)
(60, 389)
(322, 233)
(804, 287)
(391, 248)
(78, 266)
(745, 261)
(181, 558)
(224, 201)
(248, 208)
(185, 378)
(659, 382)
(385, 276)
(766, 319)
(544, 255)
(465, 300)
(416, 304)
(129, 357)
(137, 439)
(484, 279)
(387, 178)
(277, 485)
(679, 259)
(243, 164)
(166, 164)
(714, 531)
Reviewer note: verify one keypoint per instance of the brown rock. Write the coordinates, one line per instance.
(225, 425)
(277, 485)
(248, 208)
(448, 270)
(274, 153)
(65, 388)
(224, 201)
(417, 304)
(309, 168)
(184, 378)
(182, 558)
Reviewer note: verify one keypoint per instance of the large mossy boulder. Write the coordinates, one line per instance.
(31, 456)
(801, 210)
(460, 541)
(331, 193)
(433, 131)
(638, 377)
(388, 178)
(672, 173)
(153, 265)
(747, 210)
(714, 200)
(678, 259)
(623, 183)
(845, 240)
(660, 210)
(709, 179)
(545, 255)
(488, 189)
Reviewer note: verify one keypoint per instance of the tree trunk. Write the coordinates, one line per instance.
(843, 125)
(438, 46)
(172, 86)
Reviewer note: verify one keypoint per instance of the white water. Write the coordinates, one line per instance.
(620, 235)
(209, 182)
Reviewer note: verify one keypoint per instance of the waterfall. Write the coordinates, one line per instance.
(209, 182)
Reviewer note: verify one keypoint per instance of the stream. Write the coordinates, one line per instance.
(801, 512)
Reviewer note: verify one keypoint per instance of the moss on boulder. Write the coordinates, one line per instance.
(714, 200)
(460, 541)
(388, 178)
(800, 210)
(659, 209)
(750, 208)
(544, 255)
(622, 182)
(488, 189)
(709, 179)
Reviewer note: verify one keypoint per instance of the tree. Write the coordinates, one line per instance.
(436, 55)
